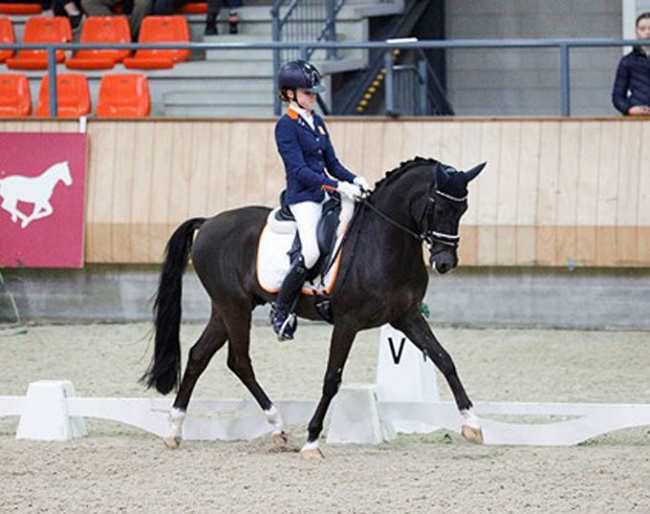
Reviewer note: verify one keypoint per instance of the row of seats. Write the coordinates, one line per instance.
(27, 9)
(97, 30)
(120, 96)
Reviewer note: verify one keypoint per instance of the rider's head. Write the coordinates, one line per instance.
(299, 82)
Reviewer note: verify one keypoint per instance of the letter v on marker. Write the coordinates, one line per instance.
(397, 355)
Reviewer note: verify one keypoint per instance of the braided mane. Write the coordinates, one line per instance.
(403, 168)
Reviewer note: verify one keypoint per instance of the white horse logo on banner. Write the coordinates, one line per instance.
(34, 190)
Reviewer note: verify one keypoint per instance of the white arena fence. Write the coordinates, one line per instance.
(402, 401)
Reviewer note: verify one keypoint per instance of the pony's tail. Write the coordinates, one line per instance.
(165, 367)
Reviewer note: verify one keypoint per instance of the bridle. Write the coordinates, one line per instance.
(427, 235)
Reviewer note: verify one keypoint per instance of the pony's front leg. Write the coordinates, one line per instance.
(274, 418)
(342, 339)
(416, 328)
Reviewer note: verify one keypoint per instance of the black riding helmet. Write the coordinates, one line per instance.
(299, 75)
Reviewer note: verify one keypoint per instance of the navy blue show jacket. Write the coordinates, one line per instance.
(307, 154)
(633, 75)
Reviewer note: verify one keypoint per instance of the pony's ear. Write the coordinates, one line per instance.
(473, 173)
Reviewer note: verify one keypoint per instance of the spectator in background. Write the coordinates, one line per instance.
(136, 10)
(214, 7)
(631, 94)
(167, 7)
(69, 8)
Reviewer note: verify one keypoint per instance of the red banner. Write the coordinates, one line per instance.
(42, 191)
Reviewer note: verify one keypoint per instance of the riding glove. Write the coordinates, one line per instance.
(350, 190)
(362, 183)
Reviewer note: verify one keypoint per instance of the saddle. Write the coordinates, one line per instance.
(325, 234)
(279, 246)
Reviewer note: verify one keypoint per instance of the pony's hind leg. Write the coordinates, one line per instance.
(211, 340)
(239, 362)
(416, 328)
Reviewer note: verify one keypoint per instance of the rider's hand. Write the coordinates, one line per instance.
(362, 183)
(350, 190)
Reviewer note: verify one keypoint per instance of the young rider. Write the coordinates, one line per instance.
(306, 150)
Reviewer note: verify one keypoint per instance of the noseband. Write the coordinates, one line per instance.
(431, 236)
(428, 235)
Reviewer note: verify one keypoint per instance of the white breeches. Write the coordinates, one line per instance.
(307, 215)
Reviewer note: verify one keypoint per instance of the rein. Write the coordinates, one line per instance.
(366, 203)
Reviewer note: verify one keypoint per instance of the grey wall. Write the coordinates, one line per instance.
(526, 82)
(473, 297)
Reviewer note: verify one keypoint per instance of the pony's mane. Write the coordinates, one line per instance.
(403, 168)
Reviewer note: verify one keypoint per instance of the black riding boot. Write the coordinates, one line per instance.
(282, 317)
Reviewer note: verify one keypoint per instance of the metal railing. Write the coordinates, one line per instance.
(562, 45)
(302, 20)
(306, 20)
(412, 87)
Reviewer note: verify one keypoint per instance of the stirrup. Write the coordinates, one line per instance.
(288, 328)
(285, 328)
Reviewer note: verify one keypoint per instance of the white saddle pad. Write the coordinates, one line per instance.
(273, 253)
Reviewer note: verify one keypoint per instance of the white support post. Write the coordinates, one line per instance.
(45, 413)
(405, 374)
(355, 417)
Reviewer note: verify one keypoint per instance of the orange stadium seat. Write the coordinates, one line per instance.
(41, 30)
(72, 93)
(15, 98)
(101, 29)
(160, 29)
(193, 8)
(17, 8)
(123, 96)
(6, 36)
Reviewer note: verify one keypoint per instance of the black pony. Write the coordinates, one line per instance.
(382, 279)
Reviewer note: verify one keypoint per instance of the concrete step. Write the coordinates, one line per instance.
(220, 111)
(243, 70)
(238, 55)
(218, 97)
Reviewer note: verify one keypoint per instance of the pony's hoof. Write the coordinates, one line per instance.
(312, 454)
(279, 439)
(172, 443)
(473, 435)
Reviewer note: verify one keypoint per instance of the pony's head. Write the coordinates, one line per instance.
(446, 205)
(62, 171)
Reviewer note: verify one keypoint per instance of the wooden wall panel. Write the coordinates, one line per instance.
(631, 168)
(555, 192)
(488, 186)
(547, 193)
(142, 201)
(608, 170)
(471, 155)
(99, 220)
(508, 187)
(527, 192)
(587, 193)
(643, 201)
(566, 194)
